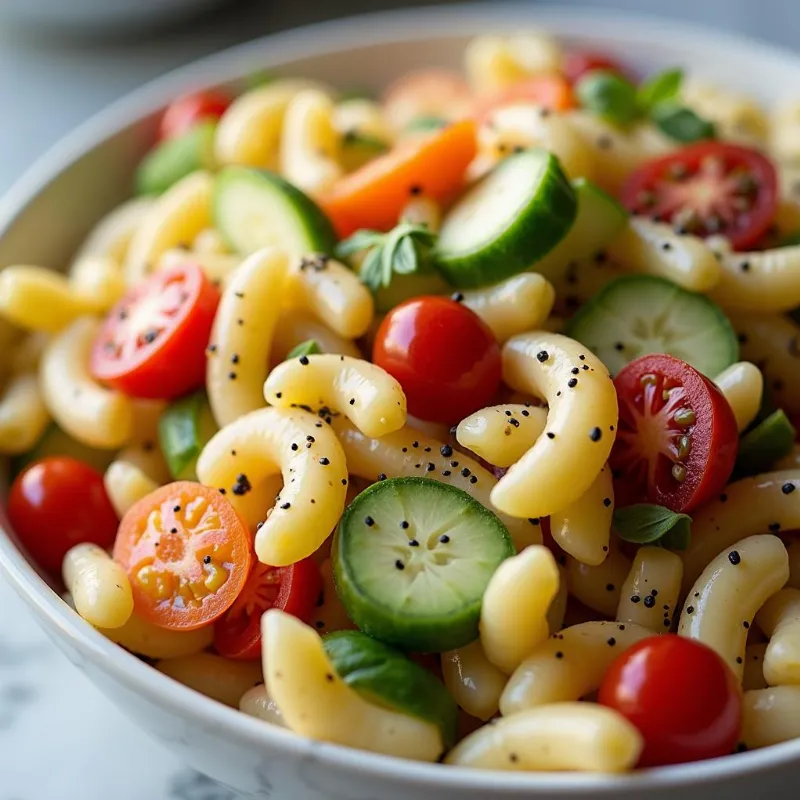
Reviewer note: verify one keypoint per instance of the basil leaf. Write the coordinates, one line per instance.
(647, 524)
(661, 88)
(360, 240)
(372, 270)
(609, 96)
(405, 260)
(682, 124)
(307, 348)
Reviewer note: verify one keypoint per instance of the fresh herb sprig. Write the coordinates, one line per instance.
(645, 523)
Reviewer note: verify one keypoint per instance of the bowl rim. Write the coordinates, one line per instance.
(272, 51)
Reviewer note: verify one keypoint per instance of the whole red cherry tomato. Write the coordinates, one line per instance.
(187, 111)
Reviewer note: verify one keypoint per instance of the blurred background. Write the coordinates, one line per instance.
(60, 61)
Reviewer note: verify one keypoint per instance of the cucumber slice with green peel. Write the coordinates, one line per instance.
(359, 149)
(599, 219)
(509, 220)
(639, 314)
(386, 677)
(55, 442)
(411, 561)
(255, 208)
(762, 446)
(183, 430)
(176, 158)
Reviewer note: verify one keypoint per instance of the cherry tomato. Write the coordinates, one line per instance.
(185, 112)
(427, 93)
(56, 503)
(153, 342)
(294, 589)
(706, 189)
(677, 439)
(550, 91)
(187, 555)
(444, 356)
(578, 62)
(680, 694)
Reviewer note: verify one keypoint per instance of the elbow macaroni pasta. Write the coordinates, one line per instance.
(126, 484)
(256, 702)
(474, 682)
(599, 587)
(779, 618)
(770, 716)
(295, 327)
(743, 386)
(23, 414)
(753, 677)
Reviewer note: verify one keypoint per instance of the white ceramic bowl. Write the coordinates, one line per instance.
(44, 217)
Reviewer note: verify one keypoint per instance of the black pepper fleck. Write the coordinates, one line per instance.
(734, 557)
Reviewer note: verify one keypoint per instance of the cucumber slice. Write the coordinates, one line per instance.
(600, 218)
(176, 158)
(509, 220)
(386, 677)
(55, 442)
(359, 149)
(762, 446)
(639, 314)
(254, 208)
(183, 430)
(424, 597)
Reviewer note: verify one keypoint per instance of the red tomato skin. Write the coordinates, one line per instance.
(56, 503)
(756, 222)
(715, 437)
(680, 694)
(298, 594)
(578, 62)
(185, 112)
(176, 364)
(443, 355)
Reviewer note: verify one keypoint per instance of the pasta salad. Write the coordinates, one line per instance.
(455, 424)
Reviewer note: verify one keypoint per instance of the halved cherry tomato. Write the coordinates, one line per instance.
(683, 698)
(677, 440)
(706, 189)
(294, 589)
(444, 356)
(550, 91)
(427, 93)
(153, 342)
(56, 503)
(187, 555)
(186, 112)
(432, 164)
(578, 62)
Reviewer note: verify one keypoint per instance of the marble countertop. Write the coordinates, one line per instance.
(59, 738)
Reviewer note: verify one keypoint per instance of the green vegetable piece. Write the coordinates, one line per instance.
(790, 240)
(176, 158)
(608, 95)
(307, 348)
(359, 149)
(183, 430)
(425, 124)
(661, 88)
(682, 124)
(762, 446)
(386, 677)
(645, 523)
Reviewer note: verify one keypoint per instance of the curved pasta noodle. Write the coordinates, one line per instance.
(88, 412)
(779, 618)
(737, 117)
(581, 423)
(216, 677)
(242, 335)
(743, 386)
(728, 594)
(502, 434)
(772, 341)
(126, 484)
(474, 682)
(583, 528)
(97, 281)
(408, 452)
(111, 237)
(295, 327)
(558, 606)
(99, 586)
(310, 144)
(765, 503)
(516, 305)
(770, 716)
(316, 702)
(209, 242)
(363, 392)
(332, 293)
(175, 218)
(653, 248)
(649, 595)
(149, 640)
(23, 414)
(563, 736)
(784, 132)
(515, 603)
(312, 463)
(600, 586)
(569, 665)
(219, 268)
(753, 676)
(27, 354)
(256, 702)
